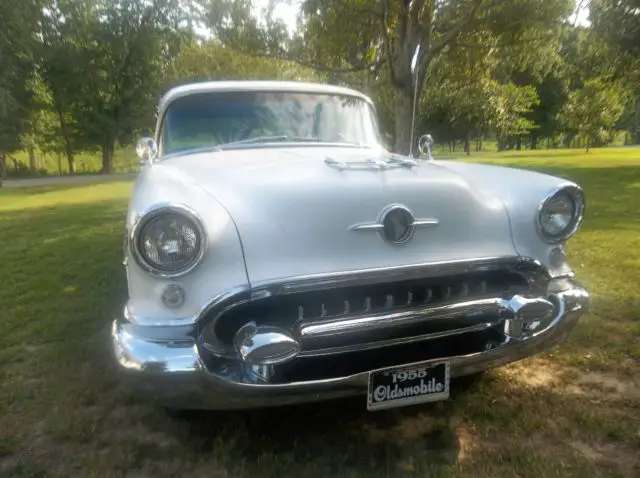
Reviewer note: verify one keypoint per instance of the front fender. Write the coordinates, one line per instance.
(522, 192)
(222, 267)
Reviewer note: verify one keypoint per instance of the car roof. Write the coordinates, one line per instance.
(229, 86)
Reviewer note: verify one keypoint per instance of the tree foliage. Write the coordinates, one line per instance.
(618, 22)
(593, 111)
(338, 36)
(80, 75)
(17, 40)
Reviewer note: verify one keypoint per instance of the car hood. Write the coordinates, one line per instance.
(294, 213)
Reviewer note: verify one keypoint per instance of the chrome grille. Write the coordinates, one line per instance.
(288, 309)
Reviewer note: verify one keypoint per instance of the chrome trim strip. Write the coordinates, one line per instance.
(425, 222)
(577, 194)
(332, 328)
(397, 341)
(377, 227)
(503, 308)
(515, 309)
(154, 211)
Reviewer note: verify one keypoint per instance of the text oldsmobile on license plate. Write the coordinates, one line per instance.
(408, 385)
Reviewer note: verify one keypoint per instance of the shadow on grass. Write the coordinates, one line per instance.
(493, 424)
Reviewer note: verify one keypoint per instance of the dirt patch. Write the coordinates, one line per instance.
(538, 373)
(610, 457)
(608, 385)
(467, 443)
(407, 427)
(534, 373)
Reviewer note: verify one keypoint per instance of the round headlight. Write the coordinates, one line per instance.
(169, 241)
(561, 214)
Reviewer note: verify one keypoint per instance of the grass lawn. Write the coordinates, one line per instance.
(574, 411)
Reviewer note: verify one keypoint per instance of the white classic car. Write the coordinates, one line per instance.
(276, 253)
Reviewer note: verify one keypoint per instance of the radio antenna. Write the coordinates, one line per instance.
(414, 77)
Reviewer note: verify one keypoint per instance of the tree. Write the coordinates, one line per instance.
(618, 23)
(104, 62)
(593, 110)
(19, 22)
(62, 71)
(209, 60)
(510, 103)
(338, 36)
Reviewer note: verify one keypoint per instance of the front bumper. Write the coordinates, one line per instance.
(179, 374)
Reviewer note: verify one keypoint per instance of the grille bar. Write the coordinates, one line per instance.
(396, 341)
(364, 324)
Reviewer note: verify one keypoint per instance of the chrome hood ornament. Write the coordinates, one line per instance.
(396, 224)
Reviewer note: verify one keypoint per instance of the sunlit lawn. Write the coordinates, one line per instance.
(572, 412)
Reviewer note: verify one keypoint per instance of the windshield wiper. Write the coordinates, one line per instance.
(270, 139)
(281, 138)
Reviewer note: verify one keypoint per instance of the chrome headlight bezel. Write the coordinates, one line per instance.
(153, 213)
(575, 193)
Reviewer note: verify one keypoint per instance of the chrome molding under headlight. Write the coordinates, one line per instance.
(576, 194)
(154, 212)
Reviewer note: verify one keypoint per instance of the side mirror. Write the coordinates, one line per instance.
(147, 150)
(425, 142)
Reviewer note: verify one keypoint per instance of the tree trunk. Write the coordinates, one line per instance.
(637, 119)
(72, 162)
(403, 111)
(534, 141)
(67, 141)
(3, 168)
(467, 144)
(107, 156)
(32, 159)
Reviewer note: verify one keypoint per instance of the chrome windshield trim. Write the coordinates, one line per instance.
(264, 144)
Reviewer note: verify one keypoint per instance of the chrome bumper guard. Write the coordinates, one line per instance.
(182, 374)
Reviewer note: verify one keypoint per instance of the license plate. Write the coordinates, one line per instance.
(408, 385)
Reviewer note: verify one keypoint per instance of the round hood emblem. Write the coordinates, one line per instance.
(397, 223)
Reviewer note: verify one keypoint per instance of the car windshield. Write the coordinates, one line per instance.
(213, 119)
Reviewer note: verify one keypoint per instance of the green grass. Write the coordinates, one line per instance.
(574, 411)
(124, 161)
